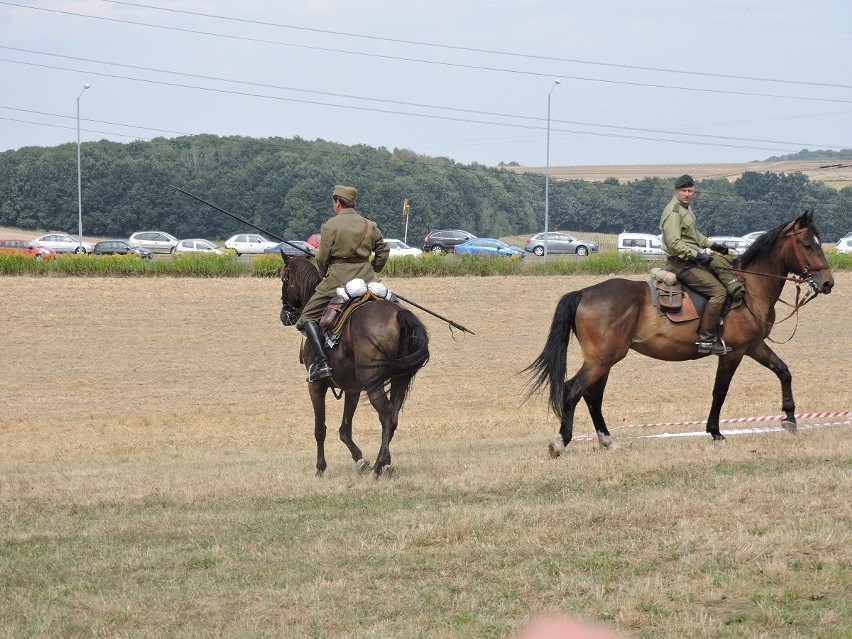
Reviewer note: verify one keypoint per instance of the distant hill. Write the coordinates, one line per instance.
(818, 155)
(832, 173)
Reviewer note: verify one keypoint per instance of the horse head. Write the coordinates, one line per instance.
(299, 278)
(803, 253)
(792, 247)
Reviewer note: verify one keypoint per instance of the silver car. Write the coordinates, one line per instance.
(559, 243)
(63, 243)
(154, 241)
(197, 245)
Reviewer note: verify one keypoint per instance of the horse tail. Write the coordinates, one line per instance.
(550, 366)
(413, 355)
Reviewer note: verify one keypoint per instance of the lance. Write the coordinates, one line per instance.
(275, 237)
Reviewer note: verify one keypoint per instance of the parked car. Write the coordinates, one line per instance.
(736, 244)
(751, 237)
(288, 248)
(488, 246)
(154, 241)
(398, 248)
(647, 245)
(64, 243)
(121, 247)
(844, 245)
(444, 240)
(248, 244)
(26, 247)
(559, 243)
(314, 240)
(196, 245)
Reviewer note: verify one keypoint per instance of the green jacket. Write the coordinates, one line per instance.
(680, 237)
(350, 236)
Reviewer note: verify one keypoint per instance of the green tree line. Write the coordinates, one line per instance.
(284, 186)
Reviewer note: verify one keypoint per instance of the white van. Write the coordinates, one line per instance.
(646, 244)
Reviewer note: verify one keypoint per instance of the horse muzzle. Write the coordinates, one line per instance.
(288, 318)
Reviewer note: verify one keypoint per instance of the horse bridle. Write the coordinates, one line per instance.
(289, 312)
(804, 266)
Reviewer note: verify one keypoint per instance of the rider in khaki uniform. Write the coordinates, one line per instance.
(346, 242)
(709, 275)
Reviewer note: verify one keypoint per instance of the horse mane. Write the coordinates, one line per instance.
(763, 244)
(305, 276)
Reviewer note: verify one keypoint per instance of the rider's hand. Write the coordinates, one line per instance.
(703, 259)
(719, 248)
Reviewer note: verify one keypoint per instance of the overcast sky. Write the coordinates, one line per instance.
(642, 81)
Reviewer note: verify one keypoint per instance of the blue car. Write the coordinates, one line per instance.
(488, 246)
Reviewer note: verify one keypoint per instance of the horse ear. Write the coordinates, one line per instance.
(806, 219)
(284, 257)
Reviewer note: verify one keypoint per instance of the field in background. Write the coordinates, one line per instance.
(156, 477)
(834, 174)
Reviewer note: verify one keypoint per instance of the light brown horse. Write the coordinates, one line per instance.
(616, 315)
(381, 348)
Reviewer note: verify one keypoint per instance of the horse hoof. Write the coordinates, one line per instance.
(789, 426)
(718, 437)
(320, 473)
(388, 471)
(362, 466)
(605, 441)
(556, 447)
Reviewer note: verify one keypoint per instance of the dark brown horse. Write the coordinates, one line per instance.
(616, 315)
(381, 348)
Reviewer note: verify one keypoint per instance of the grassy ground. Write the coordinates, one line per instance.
(156, 478)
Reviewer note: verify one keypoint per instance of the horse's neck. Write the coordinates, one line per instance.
(765, 279)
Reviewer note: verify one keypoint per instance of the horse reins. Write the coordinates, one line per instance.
(806, 277)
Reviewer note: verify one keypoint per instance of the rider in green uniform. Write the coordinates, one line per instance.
(709, 275)
(346, 242)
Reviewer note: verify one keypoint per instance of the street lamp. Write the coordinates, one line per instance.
(79, 182)
(547, 172)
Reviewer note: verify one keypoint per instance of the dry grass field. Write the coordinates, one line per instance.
(157, 478)
(836, 174)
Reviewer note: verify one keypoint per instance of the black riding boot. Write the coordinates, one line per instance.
(320, 368)
(708, 339)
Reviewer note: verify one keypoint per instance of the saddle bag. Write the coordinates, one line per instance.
(332, 312)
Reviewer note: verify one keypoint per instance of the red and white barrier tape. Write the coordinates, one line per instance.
(739, 420)
(736, 431)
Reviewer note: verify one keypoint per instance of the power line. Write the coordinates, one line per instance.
(462, 65)
(476, 50)
(420, 105)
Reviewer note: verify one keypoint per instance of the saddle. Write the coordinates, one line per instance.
(676, 301)
(341, 306)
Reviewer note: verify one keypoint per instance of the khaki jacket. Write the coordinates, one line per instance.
(680, 236)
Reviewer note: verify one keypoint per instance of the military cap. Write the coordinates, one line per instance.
(347, 193)
(684, 181)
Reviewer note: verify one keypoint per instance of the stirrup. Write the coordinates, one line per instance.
(316, 373)
(716, 347)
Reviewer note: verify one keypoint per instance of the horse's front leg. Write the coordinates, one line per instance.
(725, 370)
(762, 354)
(317, 392)
(350, 403)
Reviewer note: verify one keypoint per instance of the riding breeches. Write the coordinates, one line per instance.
(699, 279)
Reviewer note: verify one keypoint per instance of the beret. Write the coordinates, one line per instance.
(348, 193)
(684, 181)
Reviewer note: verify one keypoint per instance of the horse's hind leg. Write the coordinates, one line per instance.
(388, 418)
(350, 403)
(594, 400)
(575, 388)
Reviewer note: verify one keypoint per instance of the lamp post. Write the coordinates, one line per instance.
(547, 172)
(79, 182)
